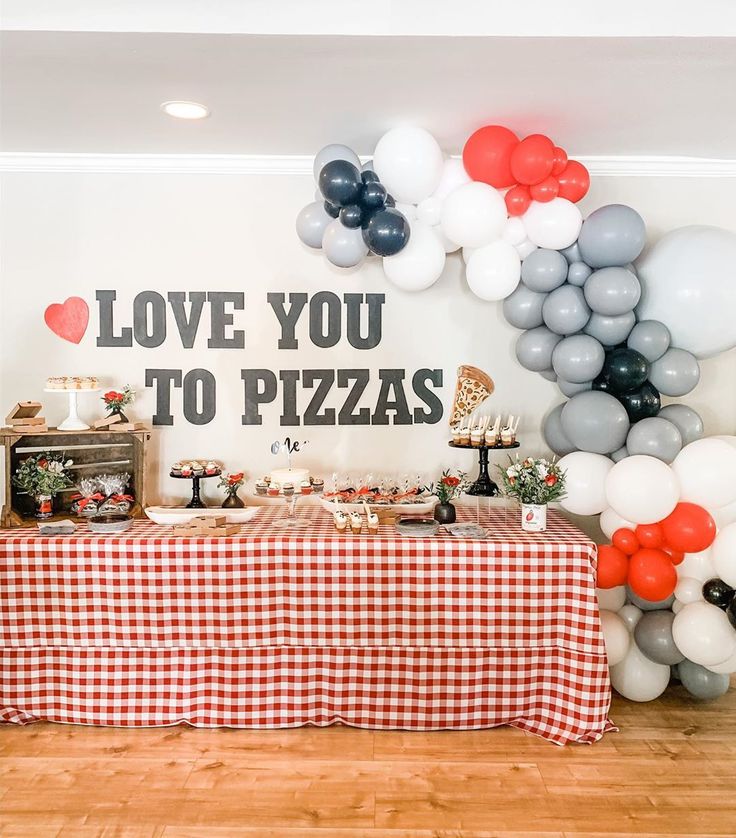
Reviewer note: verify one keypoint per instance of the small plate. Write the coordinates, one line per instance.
(110, 522)
(466, 530)
(417, 527)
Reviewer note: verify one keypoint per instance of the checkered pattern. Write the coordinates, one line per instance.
(274, 628)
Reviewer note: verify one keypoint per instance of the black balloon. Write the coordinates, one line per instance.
(368, 176)
(373, 195)
(641, 403)
(340, 183)
(332, 210)
(390, 201)
(601, 383)
(387, 232)
(717, 592)
(624, 370)
(731, 612)
(352, 216)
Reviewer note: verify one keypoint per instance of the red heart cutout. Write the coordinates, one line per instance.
(69, 319)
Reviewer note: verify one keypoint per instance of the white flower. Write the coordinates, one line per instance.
(68, 463)
(56, 467)
(542, 469)
(511, 471)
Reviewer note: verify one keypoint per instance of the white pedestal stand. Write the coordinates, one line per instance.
(72, 421)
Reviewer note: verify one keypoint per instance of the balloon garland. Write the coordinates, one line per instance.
(616, 331)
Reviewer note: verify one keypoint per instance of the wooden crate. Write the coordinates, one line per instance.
(93, 452)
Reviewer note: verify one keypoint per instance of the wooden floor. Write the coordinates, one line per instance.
(671, 771)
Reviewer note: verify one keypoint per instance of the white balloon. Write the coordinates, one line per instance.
(616, 637)
(728, 667)
(453, 175)
(467, 252)
(724, 515)
(554, 224)
(493, 271)
(724, 555)
(631, 615)
(429, 211)
(420, 263)
(706, 470)
(677, 606)
(513, 231)
(409, 211)
(639, 679)
(642, 489)
(685, 284)
(703, 634)
(473, 215)
(448, 246)
(611, 521)
(697, 566)
(611, 599)
(689, 590)
(409, 163)
(525, 248)
(585, 482)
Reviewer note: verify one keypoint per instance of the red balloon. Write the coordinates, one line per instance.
(677, 556)
(652, 575)
(613, 567)
(625, 540)
(532, 159)
(517, 200)
(560, 160)
(574, 181)
(689, 528)
(650, 535)
(487, 155)
(546, 190)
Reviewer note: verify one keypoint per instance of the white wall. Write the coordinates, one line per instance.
(70, 234)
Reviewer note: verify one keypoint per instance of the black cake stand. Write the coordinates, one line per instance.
(196, 502)
(483, 487)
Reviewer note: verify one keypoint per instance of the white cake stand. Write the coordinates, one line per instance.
(72, 421)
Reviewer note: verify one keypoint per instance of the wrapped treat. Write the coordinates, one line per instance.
(87, 500)
(114, 487)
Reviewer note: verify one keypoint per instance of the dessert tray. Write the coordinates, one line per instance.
(169, 516)
(349, 500)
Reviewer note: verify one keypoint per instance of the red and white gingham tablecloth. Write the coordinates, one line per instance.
(276, 628)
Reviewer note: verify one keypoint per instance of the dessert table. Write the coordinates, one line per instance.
(272, 628)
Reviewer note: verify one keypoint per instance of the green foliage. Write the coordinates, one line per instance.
(43, 474)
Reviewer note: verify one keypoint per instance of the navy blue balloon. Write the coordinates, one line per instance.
(624, 370)
(340, 182)
(373, 195)
(352, 216)
(642, 402)
(368, 176)
(390, 201)
(718, 593)
(332, 210)
(387, 232)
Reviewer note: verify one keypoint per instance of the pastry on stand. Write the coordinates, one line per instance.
(195, 471)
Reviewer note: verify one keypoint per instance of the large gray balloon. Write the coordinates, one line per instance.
(612, 291)
(653, 636)
(570, 388)
(655, 437)
(578, 272)
(610, 330)
(701, 682)
(595, 421)
(619, 455)
(565, 310)
(649, 605)
(687, 421)
(612, 235)
(334, 151)
(544, 270)
(523, 308)
(553, 434)
(311, 224)
(676, 373)
(344, 247)
(572, 253)
(651, 338)
(578, 358)
(534, 348)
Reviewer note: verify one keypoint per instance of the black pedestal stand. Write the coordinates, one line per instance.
(484, 487)
(196, 502)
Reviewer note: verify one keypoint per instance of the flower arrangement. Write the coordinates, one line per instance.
(231, 482)
(116, 400)
(533, 481)
(43, 474)
(450, 486)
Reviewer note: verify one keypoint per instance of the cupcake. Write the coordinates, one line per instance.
(306, 487)
(261, 487)
(176, 469)
(186, 469)
(288, 490)
(197, 468)
(211, 468)
(318, 484)
(273, 490)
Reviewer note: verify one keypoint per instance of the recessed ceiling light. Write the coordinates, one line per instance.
(185, 110)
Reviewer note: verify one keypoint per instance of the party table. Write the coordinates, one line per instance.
(273, 628)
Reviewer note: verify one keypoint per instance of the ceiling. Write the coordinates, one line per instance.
(99, 92)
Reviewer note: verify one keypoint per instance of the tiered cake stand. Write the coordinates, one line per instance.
(72, 421)
(484, 487)
(196, 502)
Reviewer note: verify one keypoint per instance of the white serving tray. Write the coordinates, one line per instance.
(404, 508)
(170, 515)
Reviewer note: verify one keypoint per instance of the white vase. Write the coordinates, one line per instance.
(534, 517)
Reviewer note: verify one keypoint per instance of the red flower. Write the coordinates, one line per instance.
(235, 478)
(550, 480)
(451, 481)
(43, 463)
(113, 396)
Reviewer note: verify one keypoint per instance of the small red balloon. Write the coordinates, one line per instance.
(625, 540)
(545, 191)
(677, 556)
(689, 528)
(613, 567)
(560, 160)
(532, 159)
(517, 200)
(487, 155)
(574, 181)
(652, 575)
(650, 535)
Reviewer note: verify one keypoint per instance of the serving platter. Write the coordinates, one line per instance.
(423, 506)
(170, 515)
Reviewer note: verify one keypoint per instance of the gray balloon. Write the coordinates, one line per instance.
(701, 682)
(523, 308)
(534, 348)
(612, 235)
(610, 330)
(595, 421)
(367, 167)
(544, 270)
(578, 272)
(565, 310)
(619, 455)
(649, 605)
(578, 358)
(570, 388)
(311, 224)
(651, 338)
(344, 247)
(572, 253)
(686, 420)
(653, 636)
(334, 151)
(632, 267)
(655, 437)
(612, 291)
(550, 375)
(553, 434)
(676, 373)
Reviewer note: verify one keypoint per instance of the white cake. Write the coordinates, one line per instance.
(295, 476)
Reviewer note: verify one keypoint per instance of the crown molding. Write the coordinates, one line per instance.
(243, 164)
